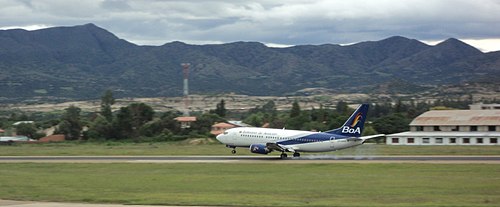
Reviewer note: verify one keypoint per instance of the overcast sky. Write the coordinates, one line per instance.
(274, 22)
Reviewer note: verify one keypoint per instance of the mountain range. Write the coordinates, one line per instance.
(81, 62)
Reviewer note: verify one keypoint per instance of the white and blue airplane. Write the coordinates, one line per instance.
(266, 140)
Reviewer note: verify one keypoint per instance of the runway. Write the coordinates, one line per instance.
(252, 159)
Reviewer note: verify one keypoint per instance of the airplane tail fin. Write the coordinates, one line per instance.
(354, 125)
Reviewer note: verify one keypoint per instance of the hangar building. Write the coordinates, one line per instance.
(451, 127)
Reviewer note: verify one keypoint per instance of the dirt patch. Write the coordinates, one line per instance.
(201, 102)
(199, 141)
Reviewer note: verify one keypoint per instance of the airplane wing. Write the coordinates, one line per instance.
(364, 138)
(372, 136)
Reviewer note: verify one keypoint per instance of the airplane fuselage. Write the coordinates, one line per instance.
(295, 140)
(265, 140)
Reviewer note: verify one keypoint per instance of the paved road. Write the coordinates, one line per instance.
(251, 159)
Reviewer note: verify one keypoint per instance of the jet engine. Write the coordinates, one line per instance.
(259, 149)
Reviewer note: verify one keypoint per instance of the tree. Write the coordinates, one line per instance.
(71, 125)
(298, 122)
(341, 107)
(318, 114)
(270, 112)
(107, 101)
(18, 117)
(314, 126)
(369, 130)
(101, 128)
(130, 119)
(122, 125)
(399, 108)
(266, 114)
(255, 119)
(141, 114)
(295, 112)
(390, 124)
(203, 123)
(269, 107)
(337, 121)
(221, 108)
(297, 118)
(165, 125)
(169, 122)
(26, 129)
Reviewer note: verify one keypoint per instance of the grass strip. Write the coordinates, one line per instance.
(255, 184)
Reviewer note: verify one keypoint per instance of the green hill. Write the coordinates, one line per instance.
(81, 62)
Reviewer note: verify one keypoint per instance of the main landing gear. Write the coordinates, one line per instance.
(284, 155)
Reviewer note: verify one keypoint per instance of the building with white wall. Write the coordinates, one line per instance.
(481, 106)
(451, 127)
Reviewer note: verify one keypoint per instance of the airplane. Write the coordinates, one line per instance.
(265, 140)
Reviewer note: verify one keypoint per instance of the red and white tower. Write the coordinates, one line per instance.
(185, 70)
(186, 120)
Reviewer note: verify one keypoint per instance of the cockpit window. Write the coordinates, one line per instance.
(226, 132)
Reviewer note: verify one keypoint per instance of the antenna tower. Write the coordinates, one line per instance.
(185, 70)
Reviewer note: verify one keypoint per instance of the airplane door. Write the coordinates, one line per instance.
(332, 141)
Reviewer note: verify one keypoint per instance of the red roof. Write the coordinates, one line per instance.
(219, 128)
(224, 125)
(2, 131)
(186, 118)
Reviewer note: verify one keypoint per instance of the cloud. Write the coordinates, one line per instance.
(27, 27)
(290, 22)
(118, 5)
(485, 45)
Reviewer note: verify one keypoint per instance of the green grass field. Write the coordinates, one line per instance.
(184, 148)
(249, 184)
(255, 184)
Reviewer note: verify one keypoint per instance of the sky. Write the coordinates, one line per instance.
(277, 23)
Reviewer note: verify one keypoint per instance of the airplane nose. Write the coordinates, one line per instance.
(219, 137)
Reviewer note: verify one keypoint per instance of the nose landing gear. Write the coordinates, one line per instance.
(232, 151)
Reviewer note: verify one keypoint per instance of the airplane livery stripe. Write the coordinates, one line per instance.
(318, 137)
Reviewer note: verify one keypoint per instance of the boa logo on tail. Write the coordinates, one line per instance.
(356, 119)
(349, 130)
